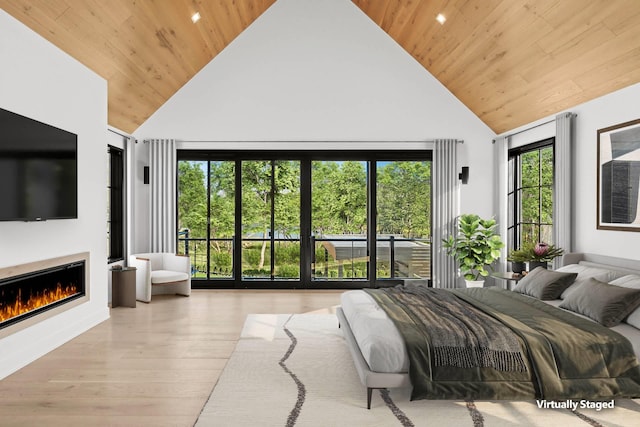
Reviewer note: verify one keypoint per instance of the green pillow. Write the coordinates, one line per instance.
(606, 304)
(545, 284)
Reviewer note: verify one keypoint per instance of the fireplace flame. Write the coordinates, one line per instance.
(35, 301)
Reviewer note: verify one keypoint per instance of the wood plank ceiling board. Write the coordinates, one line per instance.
(146, 50)
(511, 62)
(515, 61)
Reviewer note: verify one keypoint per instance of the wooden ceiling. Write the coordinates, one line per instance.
(515, 61)
(509, 61)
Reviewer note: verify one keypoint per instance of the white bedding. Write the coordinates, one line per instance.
(382, 346)
(378, 338)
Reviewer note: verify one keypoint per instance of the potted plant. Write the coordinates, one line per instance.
(518, 259)
(476, 246)
(541, 254)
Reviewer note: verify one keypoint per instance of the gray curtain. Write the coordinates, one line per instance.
(446, 194)
(562, 193)
(501, 208)
(162, 178)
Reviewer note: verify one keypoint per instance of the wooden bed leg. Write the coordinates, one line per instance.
(369, 392)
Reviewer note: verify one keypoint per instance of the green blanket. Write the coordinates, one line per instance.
(565, 357)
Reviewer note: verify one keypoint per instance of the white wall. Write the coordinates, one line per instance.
(140, 227)
(617, 107)
(39, 81)
(315, 71)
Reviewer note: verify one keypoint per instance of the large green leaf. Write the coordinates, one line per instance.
(476, 246)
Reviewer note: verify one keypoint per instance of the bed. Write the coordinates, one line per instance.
(549, 333)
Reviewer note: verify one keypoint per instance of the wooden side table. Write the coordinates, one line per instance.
(123, 287)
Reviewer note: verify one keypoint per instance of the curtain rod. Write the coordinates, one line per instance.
(527, 129)
(509, 135)
(118, 133)
(461, 141)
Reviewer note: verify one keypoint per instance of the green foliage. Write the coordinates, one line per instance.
(339, 197)
(192, 198)
(251, 254)
(540, 252)
(255, 272)
(287, 198)
(288, 271)
(404, 199)
(536, 193)
(519, 255)
(339, 206)
(222, 181)
(257, 200)
(288, 251)
(476, 246)
(221, 260)
(256, 197)
(543, 252)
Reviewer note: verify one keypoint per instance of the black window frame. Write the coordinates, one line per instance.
(515, 189)
(115, 216)
(306, 157)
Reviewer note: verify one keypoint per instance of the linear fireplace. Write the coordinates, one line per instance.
(33, 292)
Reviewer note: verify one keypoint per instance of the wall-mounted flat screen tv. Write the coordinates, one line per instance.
(38, 170)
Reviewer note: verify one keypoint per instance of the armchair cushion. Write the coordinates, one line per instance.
(166, 276)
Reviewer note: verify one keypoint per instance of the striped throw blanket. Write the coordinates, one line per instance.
(460, 334)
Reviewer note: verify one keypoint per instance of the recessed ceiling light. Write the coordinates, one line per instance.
(441, 19)
(195, 17)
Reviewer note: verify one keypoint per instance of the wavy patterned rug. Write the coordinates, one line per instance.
(296, 370)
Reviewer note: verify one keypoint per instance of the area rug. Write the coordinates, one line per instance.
(296, 370)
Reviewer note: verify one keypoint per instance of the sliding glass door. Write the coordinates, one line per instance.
(270, 219)
(206, 217)
(307, 220)
(403, 220)
(339, 220)
(221, 219)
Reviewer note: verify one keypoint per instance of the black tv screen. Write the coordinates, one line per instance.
(38, 170)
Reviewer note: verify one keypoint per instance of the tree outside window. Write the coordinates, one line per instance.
(531, 170)
(245, 220)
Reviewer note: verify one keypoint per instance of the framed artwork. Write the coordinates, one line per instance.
(619, 177)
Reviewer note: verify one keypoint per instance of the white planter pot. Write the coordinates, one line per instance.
(474, 283)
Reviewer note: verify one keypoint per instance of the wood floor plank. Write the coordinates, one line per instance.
(120, 389)
(105, 406)
(153, 365)
(94, 420)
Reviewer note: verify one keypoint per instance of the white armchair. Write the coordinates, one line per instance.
(161, 273)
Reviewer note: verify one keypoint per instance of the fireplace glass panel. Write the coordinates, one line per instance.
(28, 294)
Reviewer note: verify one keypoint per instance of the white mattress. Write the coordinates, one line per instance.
(381, 344)
(378, 338)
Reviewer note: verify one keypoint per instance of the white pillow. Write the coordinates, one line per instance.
(584, 273)
(630, 281)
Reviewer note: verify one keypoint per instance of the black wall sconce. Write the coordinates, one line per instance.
(464, 175)
(145, 174)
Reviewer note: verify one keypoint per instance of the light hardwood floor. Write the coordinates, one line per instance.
(153, 365)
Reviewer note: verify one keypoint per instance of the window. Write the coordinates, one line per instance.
(531, 172)
(304, 219)
(115, 205)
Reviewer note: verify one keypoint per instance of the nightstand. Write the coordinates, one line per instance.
(123, 287)
(509, 277)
